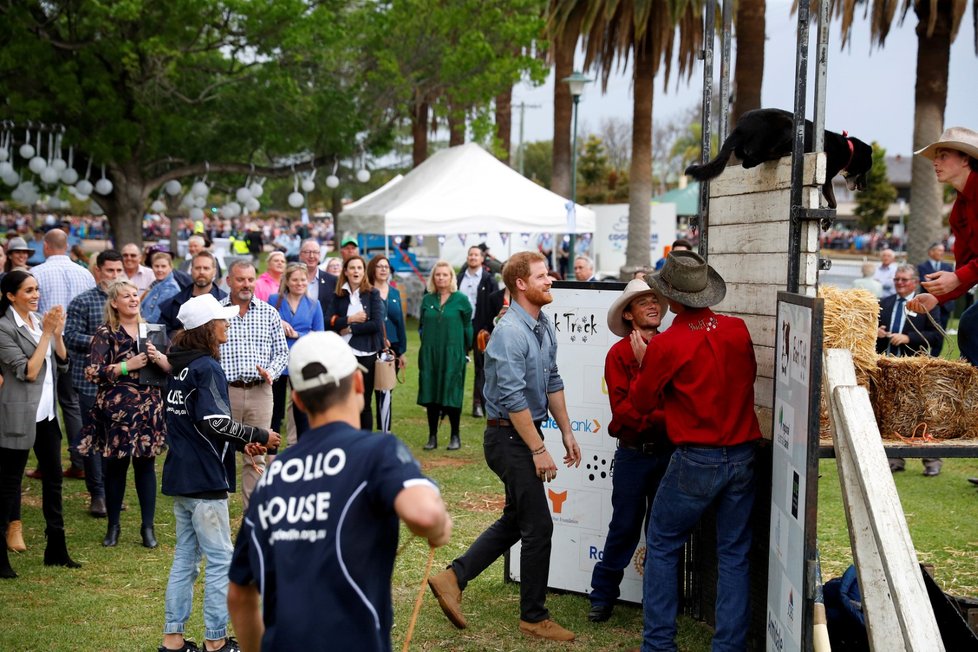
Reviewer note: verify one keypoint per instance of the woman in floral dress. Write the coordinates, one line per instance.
(127, 422)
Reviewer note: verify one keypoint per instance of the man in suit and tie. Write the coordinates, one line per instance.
(902, 332)
(935, 263)
(322, 286)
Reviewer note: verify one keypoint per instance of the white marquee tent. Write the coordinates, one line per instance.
(460, 190)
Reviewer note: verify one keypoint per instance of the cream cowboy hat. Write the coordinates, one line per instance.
(956, 138)
(687, 279)
(616, 323)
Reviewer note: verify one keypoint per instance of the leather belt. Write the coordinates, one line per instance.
(506, 423)
(246, 384)
(648, 447)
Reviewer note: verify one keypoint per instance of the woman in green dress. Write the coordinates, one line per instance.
(446, 336)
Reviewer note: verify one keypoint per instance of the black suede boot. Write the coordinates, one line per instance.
(432, 443)
(454, 443)
(56, 552)
(149, 536)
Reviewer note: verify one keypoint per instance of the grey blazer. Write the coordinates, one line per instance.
(18, 397)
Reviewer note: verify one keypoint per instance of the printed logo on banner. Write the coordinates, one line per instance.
(599, 468)
(576, 507)
(794, 490)
(578, 326)
(774, 633)
(578, 426)
(784, 423)
(799, 358)
(556, 500)
(784, 341)
(779, 534)
(791, 605)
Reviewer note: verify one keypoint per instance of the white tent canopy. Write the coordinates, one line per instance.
(464, 189)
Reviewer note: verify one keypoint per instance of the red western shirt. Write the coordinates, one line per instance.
(628, 424)
(964, 226)
(702, 374)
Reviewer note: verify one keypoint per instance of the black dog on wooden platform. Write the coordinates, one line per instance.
(767, 135)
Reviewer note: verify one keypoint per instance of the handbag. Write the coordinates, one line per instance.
(385, 371)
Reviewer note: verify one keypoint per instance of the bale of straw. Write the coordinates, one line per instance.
(922, 394)
(851, 322)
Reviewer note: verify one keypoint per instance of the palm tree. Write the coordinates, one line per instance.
(613, 31)
(749, 67)
(937, 26)
(563, 28)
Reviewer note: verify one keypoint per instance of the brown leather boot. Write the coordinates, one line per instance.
(445, 587)
(547, 629)
(15, 537)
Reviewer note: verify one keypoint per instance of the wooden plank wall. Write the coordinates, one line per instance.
(748, 246)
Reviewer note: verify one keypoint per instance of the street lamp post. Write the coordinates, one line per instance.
(576, 83)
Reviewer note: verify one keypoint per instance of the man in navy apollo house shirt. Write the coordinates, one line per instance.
(313, 561)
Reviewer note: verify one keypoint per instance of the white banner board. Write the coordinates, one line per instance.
(797, 378)
(611, 235)
(580, 499)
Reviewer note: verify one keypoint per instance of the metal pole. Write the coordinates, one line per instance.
(821, 74)
(707, 56)
(570, 254)
(798, 151)
(724, 124)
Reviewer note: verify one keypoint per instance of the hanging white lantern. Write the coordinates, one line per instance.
(157, 206)
(26, 151)
(37, 164)
(59, 164)
(308, 185)
(50, 176)
(199, 189)
(242, 195)
(4, 153)
(187, 201)
(84, 187)
(363, 176)
(69, 176)
(11, 179)
(252, 205)
(5, 168)
(232, 210)
(103, 186)
(95, 208)
(196, 214)
(200, 202)
(332, 181)
(256, 189)
(296, 199)
(172, 187)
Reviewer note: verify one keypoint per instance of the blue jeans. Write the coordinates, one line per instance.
(633, 485)
(698, 477)
(202, 528)
(968, 334)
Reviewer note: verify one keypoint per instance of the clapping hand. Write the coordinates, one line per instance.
(54, 321)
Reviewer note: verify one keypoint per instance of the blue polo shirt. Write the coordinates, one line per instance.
(196, 463)
(320, 537)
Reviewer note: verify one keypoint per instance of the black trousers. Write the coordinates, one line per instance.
(94, 462)
(526, 518)
(367, 415)
(479, 360)
(47, 448)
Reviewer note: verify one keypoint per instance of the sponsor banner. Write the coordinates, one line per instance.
(580, 498)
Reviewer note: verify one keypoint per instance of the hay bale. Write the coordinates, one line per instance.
(851, 322)
(914, 393)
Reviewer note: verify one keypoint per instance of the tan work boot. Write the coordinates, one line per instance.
(445, 587)
(15, 537)
(546, 629)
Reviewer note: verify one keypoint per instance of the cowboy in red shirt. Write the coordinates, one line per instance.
(701, 373)
(955, 158)
(643, 448)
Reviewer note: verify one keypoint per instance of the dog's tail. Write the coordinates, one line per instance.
(716, 166)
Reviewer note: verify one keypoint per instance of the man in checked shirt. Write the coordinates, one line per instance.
(252, 358)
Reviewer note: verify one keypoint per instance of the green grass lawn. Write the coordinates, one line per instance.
(115, 602)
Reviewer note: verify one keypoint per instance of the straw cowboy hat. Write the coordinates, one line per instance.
(957, 138)
(616, 323)
(687, 279)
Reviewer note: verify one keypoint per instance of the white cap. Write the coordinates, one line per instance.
(203, 309)
(328, 349)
